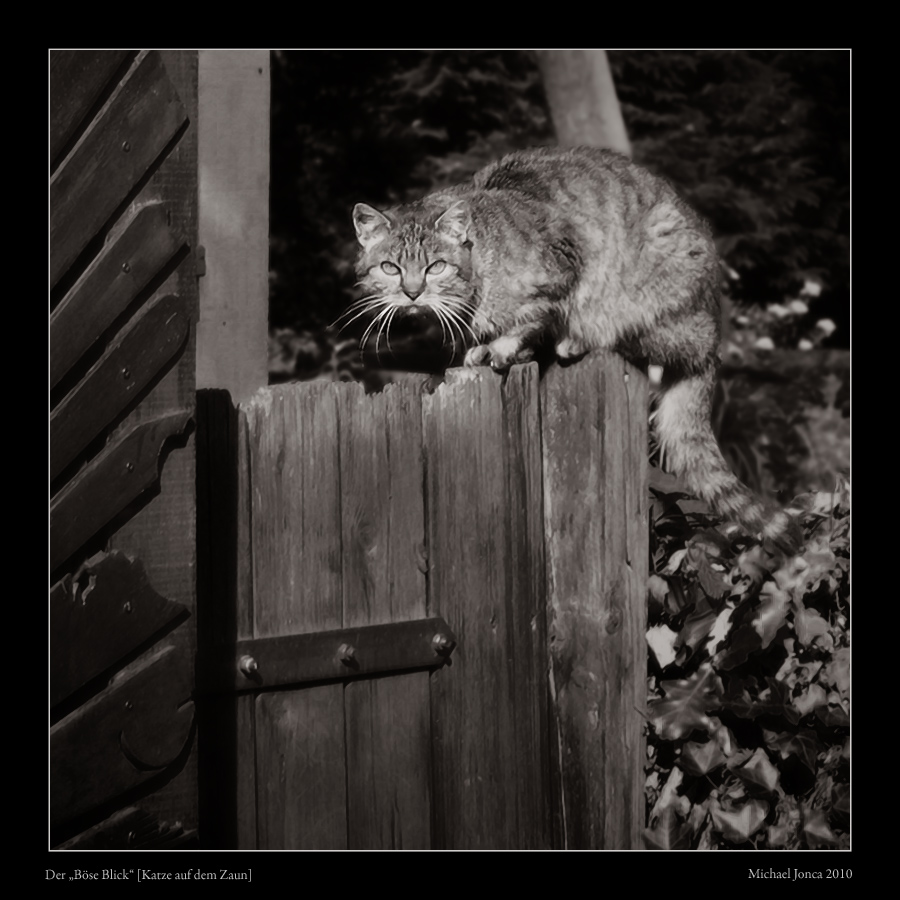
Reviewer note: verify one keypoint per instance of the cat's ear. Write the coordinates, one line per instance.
(370, 225)
(454, 222)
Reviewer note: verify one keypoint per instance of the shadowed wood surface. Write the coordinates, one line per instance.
(489, 784)
(384, 566)
(121, 271)
(595, 511)
(142, 116)
(108, 613)
(135, 359)
(77, 82)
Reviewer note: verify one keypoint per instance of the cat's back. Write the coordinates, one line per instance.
(583, 180)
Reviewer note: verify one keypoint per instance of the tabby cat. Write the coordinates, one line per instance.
(583, 248)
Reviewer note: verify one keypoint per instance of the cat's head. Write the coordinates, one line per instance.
(415, 258)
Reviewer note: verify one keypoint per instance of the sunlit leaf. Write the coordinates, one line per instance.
(808, 624)
(667, 833)
(774, 605)
(740, 824)
(810, 698)
(759, 771)
(816, 830)
(661, 640)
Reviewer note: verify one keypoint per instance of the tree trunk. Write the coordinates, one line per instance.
(582, 98)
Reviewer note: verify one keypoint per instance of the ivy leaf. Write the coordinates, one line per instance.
(759, 772)
(782, 834)
(776, 701)
(816, 830)
(698, 759)
(771, 612)
(833, 715)
(744, 641)
(740, 824)
(696, 628)
(668, 834)
(674, 562)
(685, 704)
(661, 640)
(808, 625)
(803, 744)
(840, 805)
(837, 671)
(811, 698)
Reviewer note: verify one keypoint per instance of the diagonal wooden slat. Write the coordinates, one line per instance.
(111, 158)
(122, 737)
(106, 486)
(128, 367)
(77, 79)
(107, 619)
(120, 272)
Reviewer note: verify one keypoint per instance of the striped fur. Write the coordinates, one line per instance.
(585, 249)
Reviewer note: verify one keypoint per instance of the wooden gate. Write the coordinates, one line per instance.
(433, 634)
(123, 297)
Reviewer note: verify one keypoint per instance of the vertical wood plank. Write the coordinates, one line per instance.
(295, 523)
(388, 719)
(594, 469)
(484, 782)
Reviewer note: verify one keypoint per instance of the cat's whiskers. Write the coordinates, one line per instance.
(369, 307)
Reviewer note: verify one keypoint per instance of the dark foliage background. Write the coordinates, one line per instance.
(757, 141)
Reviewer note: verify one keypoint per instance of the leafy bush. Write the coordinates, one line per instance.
(749, 685)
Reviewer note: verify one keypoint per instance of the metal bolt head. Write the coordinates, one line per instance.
(126, 146)
(248, 665)
(126, 267)
(442, 643)
(126, 373)
(129, 466)
(346, 653)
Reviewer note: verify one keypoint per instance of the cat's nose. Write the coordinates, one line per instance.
(412, 293)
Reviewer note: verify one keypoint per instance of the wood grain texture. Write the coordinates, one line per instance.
(596, 532)
(233, 134)
(140, 119)
(383, 536)
(132, 731)
(134, 360)
(77, 82)
(124, 267)
(163, 533)
(108, 484)
(295, 515)
(107, 614)
(485, 785)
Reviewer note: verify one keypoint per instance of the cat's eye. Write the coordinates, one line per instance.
(390, 269)
(437, 267)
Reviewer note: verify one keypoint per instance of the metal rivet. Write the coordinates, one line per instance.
(126, 146)
(441, 643)
(248, 665)
(126, 373)
(129, 466)
(129, 704)
(126, 267)
(127, 606)
(346, 653)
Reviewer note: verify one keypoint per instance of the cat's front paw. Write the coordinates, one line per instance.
(478, 356)
(507, 351)
(570, 350)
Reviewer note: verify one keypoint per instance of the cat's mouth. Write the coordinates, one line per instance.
(452, 314)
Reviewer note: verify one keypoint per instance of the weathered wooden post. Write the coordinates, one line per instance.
(594, 426)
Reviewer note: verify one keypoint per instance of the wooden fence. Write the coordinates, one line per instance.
(432, 633)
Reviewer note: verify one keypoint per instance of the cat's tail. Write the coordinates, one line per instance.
(690, 450)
